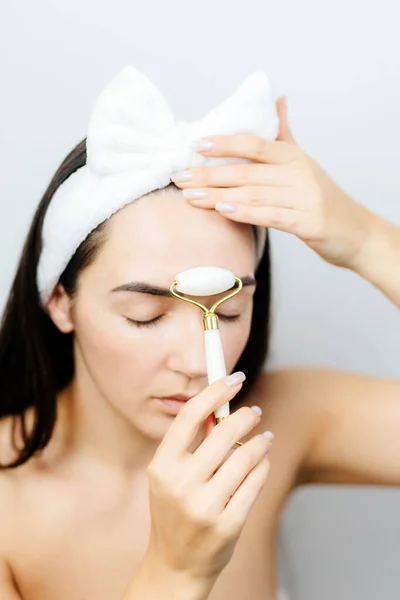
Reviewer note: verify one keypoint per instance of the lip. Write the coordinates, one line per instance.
(178, 398)
(172, 404)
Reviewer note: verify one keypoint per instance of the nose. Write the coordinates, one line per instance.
(187, 350)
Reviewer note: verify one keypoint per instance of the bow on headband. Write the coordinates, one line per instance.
(134, 144)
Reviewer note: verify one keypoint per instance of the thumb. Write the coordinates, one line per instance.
(284, 135)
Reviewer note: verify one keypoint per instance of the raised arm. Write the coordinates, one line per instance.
(379, 260)
(350, 424)
(286, 189)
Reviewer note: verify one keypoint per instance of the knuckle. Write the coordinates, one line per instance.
(244, 174)
(210, 176)
(217, 194)
(258, 148)
(203, 176)
(229, 529)
(295, 153)
(277, 217)
(283, 218)
(291, 220)
(254, 195)
(318, 230)
(152, 467)
(155, 472)
(196, 513)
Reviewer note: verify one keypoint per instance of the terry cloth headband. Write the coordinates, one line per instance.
(134, 144)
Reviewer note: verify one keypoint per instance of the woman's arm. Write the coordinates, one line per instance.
(153, 581)
(287, 189)
(379, 260)
(354, 425)
(346, 425)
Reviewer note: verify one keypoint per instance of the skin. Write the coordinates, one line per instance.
(75, 520)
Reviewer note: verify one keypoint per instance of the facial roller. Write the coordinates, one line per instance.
(208, 281)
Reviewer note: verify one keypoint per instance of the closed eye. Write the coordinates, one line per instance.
(153, 322)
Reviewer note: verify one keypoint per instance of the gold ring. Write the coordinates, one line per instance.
(238, 444)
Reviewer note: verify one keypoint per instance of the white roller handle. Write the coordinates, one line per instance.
(216, 368)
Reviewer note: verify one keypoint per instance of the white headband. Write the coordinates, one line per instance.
(134, 144)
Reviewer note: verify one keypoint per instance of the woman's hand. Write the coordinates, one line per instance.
(200, 500)
(286, 190)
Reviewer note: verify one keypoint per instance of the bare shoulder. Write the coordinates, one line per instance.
(7, 487)
(10, 478)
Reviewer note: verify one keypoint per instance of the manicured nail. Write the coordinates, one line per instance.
(181, 176)
(257, 410)
(195, 194)
(228, 208)
(203, 145)
(269, 435)
(235, 379)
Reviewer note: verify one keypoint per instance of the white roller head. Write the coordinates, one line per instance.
(204, 281)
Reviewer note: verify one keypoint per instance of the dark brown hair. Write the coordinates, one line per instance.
(36, 359)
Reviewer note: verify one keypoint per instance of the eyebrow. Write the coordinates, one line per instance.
(147, 288)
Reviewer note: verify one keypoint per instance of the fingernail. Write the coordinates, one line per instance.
(269, 435)
(203, 145)
(235, 379)
(221, 207)
(257, 410)
(196, 194)
(181, 176)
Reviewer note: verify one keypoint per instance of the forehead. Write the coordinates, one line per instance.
(162, 234)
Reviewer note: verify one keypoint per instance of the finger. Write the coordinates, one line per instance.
(251, 147)
(239, 174)
(284, 135)
(223, 485)
(249, 194)
(192, 415)
(238, 507)
(284, 219)
(211, 452)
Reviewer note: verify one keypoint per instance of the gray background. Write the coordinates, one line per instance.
(339, 65)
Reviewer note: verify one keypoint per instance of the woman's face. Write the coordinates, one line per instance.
(131, 365)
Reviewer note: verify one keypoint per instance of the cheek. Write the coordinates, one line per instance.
(114, 351)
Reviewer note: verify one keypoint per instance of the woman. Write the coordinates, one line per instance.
(131, 497)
